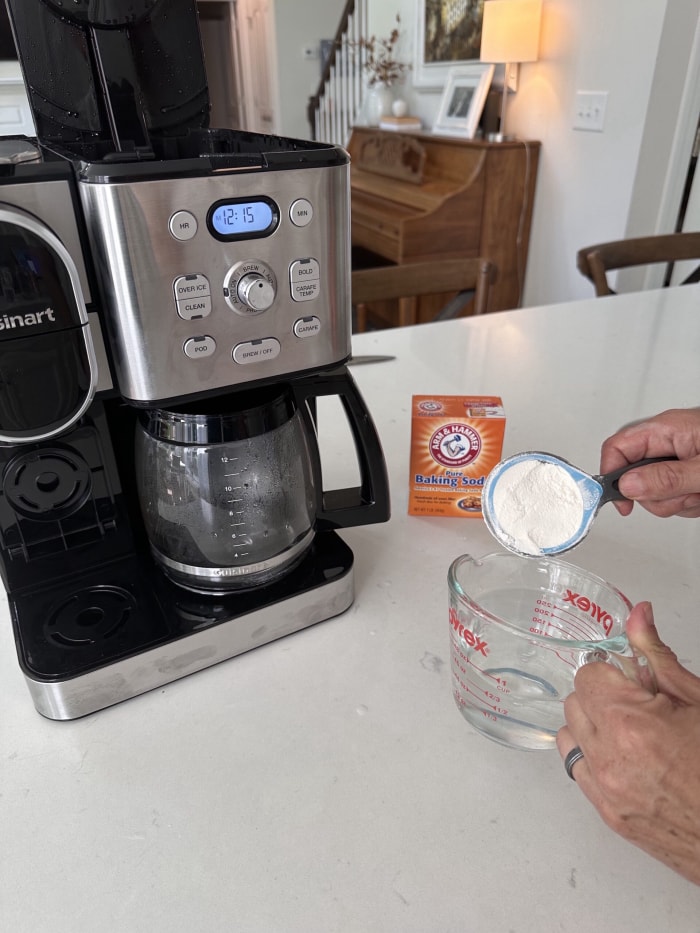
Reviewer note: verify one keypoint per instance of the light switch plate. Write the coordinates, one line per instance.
(590, 110)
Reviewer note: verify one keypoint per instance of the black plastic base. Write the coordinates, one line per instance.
(129, 607)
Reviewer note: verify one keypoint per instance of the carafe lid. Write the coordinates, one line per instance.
(221, 420)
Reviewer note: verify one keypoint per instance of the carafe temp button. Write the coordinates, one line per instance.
(256, 351)
(198, 347)
(304, 279)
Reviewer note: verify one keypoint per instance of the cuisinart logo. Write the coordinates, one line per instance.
(9, 321)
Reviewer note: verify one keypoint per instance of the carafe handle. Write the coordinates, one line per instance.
(369, 502)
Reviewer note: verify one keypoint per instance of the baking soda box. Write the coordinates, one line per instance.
(456, 440)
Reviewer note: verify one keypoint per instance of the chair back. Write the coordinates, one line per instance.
(470, 278)
(596, 261)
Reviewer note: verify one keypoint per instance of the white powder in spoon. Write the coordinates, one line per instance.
(537, 505)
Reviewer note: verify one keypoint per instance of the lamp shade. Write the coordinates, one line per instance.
(510, 31)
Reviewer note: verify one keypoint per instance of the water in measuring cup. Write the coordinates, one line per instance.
(512, 686)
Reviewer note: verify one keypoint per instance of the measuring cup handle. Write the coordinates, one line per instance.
(609, 481)
(368, 502)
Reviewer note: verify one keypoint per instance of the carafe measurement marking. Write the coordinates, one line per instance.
(232, 501)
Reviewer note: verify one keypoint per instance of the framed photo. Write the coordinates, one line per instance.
(463, 100)
(448, 34)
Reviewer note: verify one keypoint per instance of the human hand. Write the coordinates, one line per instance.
(641, 764)
(671, 488)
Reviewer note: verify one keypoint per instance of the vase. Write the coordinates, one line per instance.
(377, 103)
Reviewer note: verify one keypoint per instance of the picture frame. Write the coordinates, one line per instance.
(442, 43)
(463, 100)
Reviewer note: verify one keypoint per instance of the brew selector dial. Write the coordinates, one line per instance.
(255, 291)
(250, 287)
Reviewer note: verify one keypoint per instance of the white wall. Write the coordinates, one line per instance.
(591, 186)
(301, 25)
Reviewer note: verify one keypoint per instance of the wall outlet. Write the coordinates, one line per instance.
(590, 110)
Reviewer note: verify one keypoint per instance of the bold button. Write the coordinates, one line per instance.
(191, 286)
(307, 326)
(301, 270)
(256, 351)
(192, 308)
(305, 291)
(301, 212)
(198, 347)
(183, 225)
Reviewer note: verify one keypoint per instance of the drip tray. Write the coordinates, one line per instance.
(124, 629)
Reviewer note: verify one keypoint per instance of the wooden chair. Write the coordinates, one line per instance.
(595, 261)
(376, 291)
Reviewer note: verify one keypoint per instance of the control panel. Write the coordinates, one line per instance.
(236, 277)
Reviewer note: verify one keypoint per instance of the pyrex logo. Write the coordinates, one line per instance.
(455, 445)
(9, 321)
(593, 609)
(471, 639)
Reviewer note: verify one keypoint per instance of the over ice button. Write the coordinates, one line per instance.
(256, 351)
(191, 286)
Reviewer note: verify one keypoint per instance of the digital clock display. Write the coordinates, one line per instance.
(241, 219)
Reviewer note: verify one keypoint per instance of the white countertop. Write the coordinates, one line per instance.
(327, 782)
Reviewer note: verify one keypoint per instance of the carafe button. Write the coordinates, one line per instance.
(307, 327)
(198, 347)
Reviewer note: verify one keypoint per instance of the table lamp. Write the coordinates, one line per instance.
(510, 34)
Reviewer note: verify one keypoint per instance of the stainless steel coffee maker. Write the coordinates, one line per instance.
(173, 301)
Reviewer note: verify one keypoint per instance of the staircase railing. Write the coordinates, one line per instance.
(334, 108)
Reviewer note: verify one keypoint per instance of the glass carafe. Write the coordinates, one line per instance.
(227, 496)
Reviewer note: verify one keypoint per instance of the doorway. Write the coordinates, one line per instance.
(238, 39)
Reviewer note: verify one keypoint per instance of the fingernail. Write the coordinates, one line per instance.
(631, 486)
(648, 611)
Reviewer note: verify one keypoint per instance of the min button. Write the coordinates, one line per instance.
(301, 212)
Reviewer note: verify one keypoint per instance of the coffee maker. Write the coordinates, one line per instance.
(189, 286)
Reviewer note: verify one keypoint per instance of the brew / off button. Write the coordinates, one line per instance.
(307, 327)
(198, 347)
(256, 351)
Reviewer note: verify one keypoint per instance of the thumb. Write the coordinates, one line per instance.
(664, 480)
(671, 677)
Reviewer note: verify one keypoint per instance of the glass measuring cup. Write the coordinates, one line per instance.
(542, 516)
(519, 631)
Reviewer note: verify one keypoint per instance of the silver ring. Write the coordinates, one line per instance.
(574, 755)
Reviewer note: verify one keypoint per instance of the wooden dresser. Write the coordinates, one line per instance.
(420, 197)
